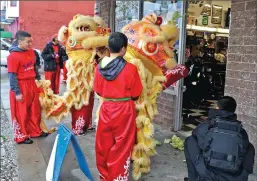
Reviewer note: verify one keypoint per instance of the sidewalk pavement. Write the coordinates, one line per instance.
(168, 165)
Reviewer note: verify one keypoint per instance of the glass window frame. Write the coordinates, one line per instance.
(13, 3)
(178, 91)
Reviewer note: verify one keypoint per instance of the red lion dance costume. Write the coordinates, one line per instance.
(150, 49)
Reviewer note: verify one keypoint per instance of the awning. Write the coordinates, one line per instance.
(6, 34)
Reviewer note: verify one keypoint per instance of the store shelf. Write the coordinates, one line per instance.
(208, 29)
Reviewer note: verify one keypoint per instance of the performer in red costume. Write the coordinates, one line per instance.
(118, 82)
(53, 62)
(24, 96)
(82, 119)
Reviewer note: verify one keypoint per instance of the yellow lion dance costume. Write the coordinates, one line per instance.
(150, 49)
(83, 35)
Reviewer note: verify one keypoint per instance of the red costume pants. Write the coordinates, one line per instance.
(82, 119)
(115, 138)
(54, 77)
(26, 115)
(65, 71)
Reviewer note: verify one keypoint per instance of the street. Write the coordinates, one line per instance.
(168, 165)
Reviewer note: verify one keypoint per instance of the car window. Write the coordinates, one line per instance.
(4, 47)
(5, 42)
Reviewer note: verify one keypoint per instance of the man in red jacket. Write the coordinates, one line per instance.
(119, 84)
(24, 97)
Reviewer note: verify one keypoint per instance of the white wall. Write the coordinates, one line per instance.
(12, 12)
(195, 10)
(3, 5)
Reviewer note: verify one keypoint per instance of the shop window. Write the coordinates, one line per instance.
(13, 3)
(169, 10)
(125, 12)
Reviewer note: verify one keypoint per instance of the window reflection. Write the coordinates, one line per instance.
(13, 3)
(126, 11)
(169, 10)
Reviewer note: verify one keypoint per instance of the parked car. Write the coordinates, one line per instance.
(5, 45)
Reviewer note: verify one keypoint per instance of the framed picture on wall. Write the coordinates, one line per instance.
(205, 20)
(206, 9)
(216, 17)
(227, 21)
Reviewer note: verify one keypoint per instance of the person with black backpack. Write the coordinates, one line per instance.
(219, 149)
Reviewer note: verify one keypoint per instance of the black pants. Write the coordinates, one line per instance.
(197, 171)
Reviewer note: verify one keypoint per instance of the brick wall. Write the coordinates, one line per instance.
(241, 79)
(43, 19)
(105, 7)
(166, 104)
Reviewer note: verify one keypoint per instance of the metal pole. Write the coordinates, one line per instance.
(181, 58)
(141, 9)
(112, 14)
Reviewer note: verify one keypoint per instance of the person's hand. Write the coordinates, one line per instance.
(102, 52)
(204, 118)
(19, 98)
(55, 55)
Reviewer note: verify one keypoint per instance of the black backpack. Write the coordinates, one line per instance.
(224, 146)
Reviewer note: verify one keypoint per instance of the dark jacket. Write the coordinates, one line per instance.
(37, 58)
(201, 130)
(49, 60)
(64, 54)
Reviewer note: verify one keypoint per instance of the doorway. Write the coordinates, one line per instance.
(205, 56)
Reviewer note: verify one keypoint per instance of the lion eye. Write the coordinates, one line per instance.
(150, 48)
(84, 28)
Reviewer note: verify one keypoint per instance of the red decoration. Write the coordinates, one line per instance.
(159, 20)
(151, 47)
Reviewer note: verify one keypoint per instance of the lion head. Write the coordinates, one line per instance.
(152, 43)
(84, 32)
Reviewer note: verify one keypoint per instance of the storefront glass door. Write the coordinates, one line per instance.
(125, 12)
(172, 12)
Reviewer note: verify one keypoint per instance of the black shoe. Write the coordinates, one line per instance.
(82, 134)
(91, 129)
(185, 179)
(43, 134)
(27, 141)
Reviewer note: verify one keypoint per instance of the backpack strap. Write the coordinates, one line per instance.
(222, 156)
(226, 124)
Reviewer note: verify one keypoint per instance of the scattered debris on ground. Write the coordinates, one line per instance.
(175, 142)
